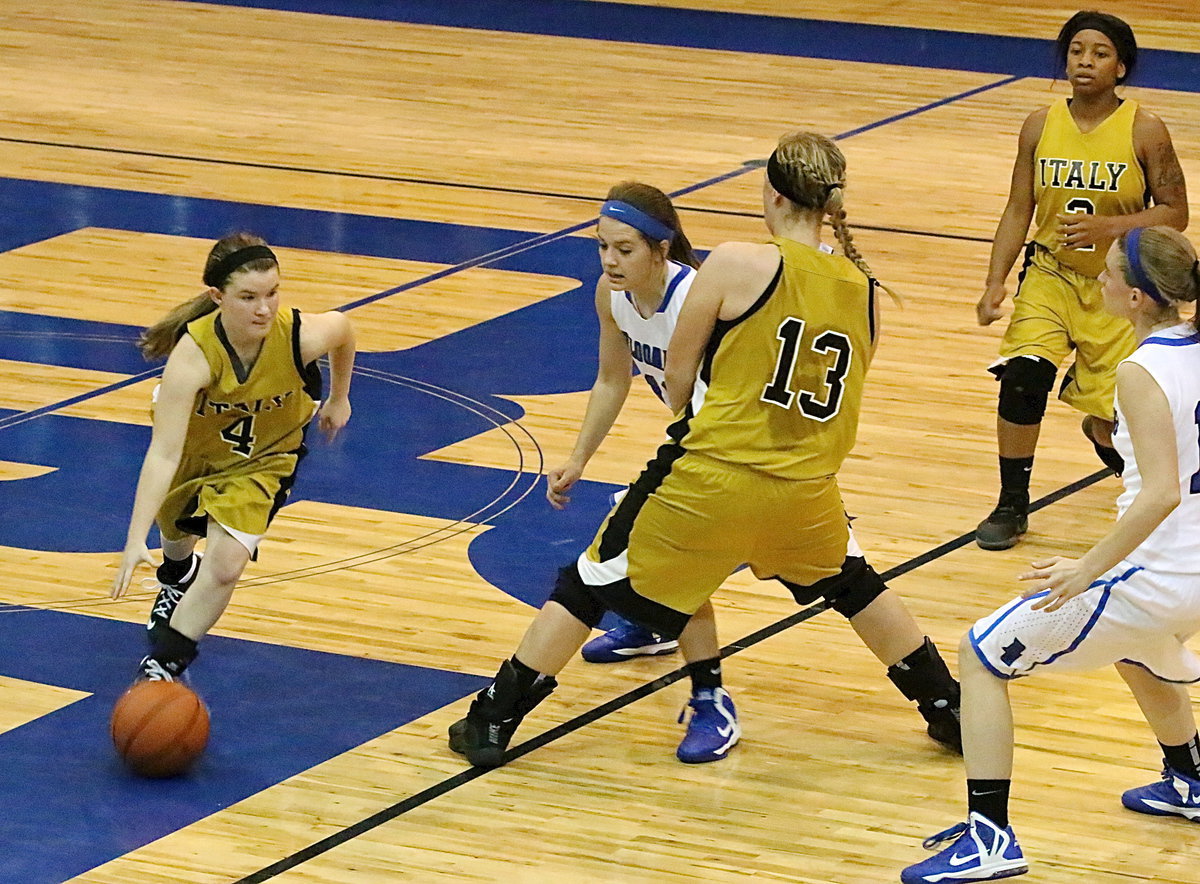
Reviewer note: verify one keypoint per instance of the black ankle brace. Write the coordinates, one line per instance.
(173, 650)
(175, 571)
(923, 676)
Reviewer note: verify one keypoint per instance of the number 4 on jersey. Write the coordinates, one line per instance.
(777, 392)
(240, 435)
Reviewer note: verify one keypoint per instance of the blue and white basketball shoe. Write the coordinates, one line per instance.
(1174, 795)
(713, 729)
(982, 851)
(627, 640)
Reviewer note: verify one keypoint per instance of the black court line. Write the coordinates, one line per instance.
(617, 703)
(281, 167)
(455, 185)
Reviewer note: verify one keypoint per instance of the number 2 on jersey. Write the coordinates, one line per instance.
(1081, 205)
(777, 392)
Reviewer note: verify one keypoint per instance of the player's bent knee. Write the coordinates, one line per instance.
(577, 597)
(857, 586)
(1025, 389)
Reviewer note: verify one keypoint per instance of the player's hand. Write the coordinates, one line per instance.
(559, 482)
(1078, 230)
(135, 554)
(1059, 577)
(334, 415)
(988, 309)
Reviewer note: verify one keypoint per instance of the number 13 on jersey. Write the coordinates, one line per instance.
(778, 391)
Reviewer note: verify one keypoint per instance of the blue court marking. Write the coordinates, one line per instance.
(744, 32)
(547, 347)
(69, 805)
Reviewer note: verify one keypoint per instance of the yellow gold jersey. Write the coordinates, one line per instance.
(242, 416)
(1097, 173)
(779, 388)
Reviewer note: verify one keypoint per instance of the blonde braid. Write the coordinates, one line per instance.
(841, 230)
(815, 171)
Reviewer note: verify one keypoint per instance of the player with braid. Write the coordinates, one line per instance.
(765, 374)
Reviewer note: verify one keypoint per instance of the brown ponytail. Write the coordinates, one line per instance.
(157, 341)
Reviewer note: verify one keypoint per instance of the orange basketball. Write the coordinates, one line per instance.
(159, 728)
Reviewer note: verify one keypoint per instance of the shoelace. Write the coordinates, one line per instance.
(941, 837)
(168, 599)
(152, 670)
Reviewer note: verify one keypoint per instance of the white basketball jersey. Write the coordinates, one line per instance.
(648, 338)
(1172, 357)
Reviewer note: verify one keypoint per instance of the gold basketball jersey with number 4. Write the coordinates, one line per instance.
(1095, 172)
(244, 415)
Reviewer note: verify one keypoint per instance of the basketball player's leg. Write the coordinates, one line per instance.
(1102, 342)
(552, 638)
(173, 644)
(884, 624)
(1100, 626)
(669, 585)
(713, 728)
(1168, 709)
(1167, 706)
(1035, 343)
(177, 572)
(987, 730)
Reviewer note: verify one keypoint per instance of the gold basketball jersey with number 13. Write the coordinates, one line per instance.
(1095, 172)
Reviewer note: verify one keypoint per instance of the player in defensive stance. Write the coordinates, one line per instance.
(1132, 600)
(764, 374)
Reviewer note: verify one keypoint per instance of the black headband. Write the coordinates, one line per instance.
(1096, 21)
(1115, 29)
(217, 275)
(779, 180)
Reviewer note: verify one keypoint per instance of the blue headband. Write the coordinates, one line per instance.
(1133, 242)
(637, 219)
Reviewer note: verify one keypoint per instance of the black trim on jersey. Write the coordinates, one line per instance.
(723, 327)
(310, 374)
(239, 370)
(620, 596)
(285, 485)
(620, 524)
(1031, 248)
(871, 285)
(197, 523)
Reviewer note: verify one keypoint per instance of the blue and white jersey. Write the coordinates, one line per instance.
(648, 337)
(1172, 357)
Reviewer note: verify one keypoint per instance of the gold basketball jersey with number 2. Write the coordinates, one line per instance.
(1095, 172)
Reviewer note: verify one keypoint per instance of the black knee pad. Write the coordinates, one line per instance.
(847, 592)
(577, 597)
(857, 586)
(1025, 385)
